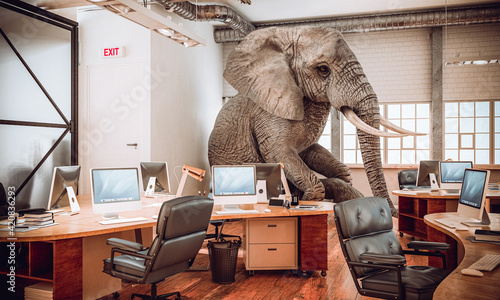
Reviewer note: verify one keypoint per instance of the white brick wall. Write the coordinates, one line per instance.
(398, 63)
(472, 82)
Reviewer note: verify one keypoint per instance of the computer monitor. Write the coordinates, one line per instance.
(234, 185)
(157, 171)
(471, 204)
(452, 174)
(428, 172)
(63, 179)
(114, 190)
(271, 174)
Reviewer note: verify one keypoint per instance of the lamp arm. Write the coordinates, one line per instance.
(288, 195)
(196, 173)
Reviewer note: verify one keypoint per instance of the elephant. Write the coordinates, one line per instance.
(287, 81)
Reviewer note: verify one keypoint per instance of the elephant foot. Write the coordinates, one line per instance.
(315, 194)
(338, 190)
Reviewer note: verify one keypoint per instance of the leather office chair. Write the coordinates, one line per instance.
(181, 228)
(375, 257)
(407, 179)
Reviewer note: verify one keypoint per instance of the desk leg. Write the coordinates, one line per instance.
(67, 272)
(314, 243)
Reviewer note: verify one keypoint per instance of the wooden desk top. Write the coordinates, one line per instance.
(86, 223)
(457, 285)
(441, 194)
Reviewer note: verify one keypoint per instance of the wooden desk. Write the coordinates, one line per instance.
(413, 206)
(55, 254)
(457, 285)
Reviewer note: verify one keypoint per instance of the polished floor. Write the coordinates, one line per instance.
(337, 284)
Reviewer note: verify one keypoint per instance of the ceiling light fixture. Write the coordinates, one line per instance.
(480, 60)
(143, 16)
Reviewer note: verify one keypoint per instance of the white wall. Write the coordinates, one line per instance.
(185, 104)
(183, 86)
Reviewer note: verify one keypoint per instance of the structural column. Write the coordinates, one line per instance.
(437, 135)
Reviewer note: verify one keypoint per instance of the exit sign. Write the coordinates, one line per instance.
(113, 52)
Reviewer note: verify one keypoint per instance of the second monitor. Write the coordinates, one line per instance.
(428, 172)
(155, 177)
(234, 185)
(452, 174)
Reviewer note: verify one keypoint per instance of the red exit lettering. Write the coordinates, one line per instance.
(111, 51)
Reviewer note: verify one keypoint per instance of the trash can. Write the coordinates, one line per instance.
(223, 256)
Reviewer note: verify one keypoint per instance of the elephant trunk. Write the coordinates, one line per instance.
(368, 112)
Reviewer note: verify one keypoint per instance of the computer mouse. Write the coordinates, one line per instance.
(472, 272)
(461, 227)
(405, 189)
(267, 210)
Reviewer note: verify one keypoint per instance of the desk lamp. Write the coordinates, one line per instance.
(196, 173)
(288, 196)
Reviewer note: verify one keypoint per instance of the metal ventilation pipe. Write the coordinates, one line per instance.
(192, 12)
(379, 22)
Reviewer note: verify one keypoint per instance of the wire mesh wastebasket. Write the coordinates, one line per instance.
(223, 256)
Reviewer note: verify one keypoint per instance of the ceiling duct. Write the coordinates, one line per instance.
(227, 15)
(393, 21)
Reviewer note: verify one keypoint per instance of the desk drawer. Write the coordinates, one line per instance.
(272, 230)
(272, 256)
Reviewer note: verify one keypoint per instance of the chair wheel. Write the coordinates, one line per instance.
(401, 234)
(251, 272)
(323, 273)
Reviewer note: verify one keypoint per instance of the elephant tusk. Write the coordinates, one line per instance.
(358, 123)
(387, 124)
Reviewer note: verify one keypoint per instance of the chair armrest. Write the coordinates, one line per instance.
(124, 244)
(423, 245)
(384, 259)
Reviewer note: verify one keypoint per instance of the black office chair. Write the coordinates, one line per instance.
(218, 235)
(375, 257)
(407, 179)
(181, 228)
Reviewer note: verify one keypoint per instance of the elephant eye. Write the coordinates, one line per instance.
(323, 70)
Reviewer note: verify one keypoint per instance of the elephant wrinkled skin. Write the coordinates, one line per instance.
(287, 80)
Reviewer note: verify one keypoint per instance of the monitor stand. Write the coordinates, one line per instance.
(150, 190)
(434, 183)
(485, 220)
(231, 207)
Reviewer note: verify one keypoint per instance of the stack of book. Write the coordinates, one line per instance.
(39, 291)
(42, 218)
(487, 235)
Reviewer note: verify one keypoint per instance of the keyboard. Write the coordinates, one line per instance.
(452, 223)
(236, 212)
(122, 220)
(486, 263)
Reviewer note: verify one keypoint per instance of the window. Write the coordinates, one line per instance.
(470, 133)
(406, 150)
(326, 137)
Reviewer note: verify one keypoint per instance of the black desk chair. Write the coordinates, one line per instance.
(181, 228)
(218, 235)
(407, 179)
(375, 257)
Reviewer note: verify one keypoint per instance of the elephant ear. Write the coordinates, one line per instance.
(259, 68)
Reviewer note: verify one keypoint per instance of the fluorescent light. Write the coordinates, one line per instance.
(143, 16)
(480, 62)
(165, 31)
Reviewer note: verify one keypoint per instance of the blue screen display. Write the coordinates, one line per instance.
(231, 181)
(453, 172)
(473, 188)
(115, 185)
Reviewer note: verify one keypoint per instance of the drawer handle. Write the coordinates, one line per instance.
(272, 225)
(271, 249)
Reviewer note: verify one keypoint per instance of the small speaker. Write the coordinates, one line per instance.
(276, 202)
(261, 191)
